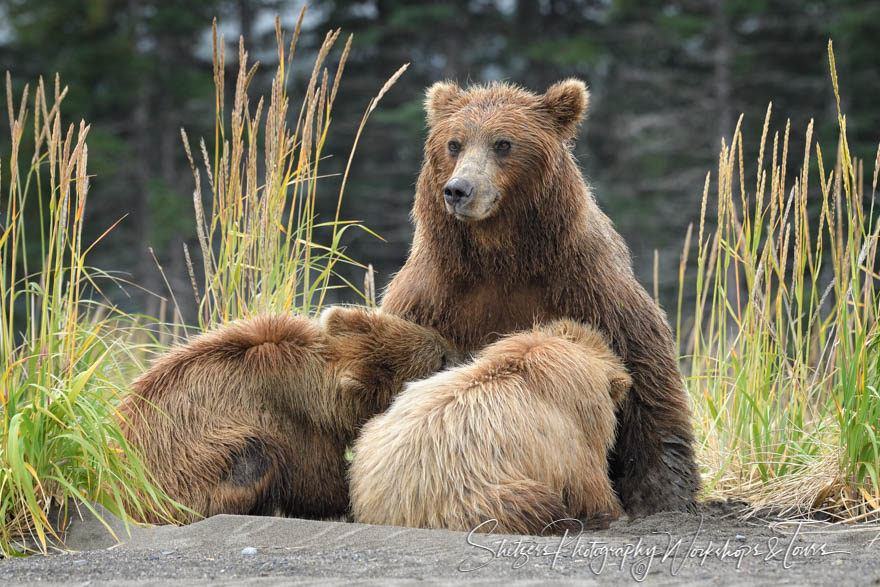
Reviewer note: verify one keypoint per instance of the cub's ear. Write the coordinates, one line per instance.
(440, 99)
(567, 103)
(351, 387)
(340, 320)
(620, 385)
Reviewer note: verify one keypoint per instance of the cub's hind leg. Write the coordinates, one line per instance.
(255, 479)
(237, 470)
(316, 482)
(303, 475)
(523, 506)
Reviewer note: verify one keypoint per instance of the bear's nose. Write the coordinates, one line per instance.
(457, 191)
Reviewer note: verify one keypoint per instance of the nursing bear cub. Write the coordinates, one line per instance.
(520, 436)
(254, 417)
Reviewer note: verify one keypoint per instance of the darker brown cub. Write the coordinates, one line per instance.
(254, 417)
(508, 233)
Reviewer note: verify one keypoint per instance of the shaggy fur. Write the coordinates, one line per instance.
(544, 251)
(520, 435)
(254, 417)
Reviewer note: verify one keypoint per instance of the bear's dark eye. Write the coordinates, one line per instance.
(502, 147)
(454, 147)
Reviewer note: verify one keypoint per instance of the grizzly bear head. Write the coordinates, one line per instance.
(492, 149)
(376, 353)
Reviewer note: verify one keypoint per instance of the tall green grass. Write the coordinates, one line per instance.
(263, 248)
(782, 358)
(65, 356)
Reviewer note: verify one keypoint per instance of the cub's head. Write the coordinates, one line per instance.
(492, 148)
(378, 353)
(612, 370)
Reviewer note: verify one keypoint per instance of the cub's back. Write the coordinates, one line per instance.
(231, 366)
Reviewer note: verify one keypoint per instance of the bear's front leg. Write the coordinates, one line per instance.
(652, 464)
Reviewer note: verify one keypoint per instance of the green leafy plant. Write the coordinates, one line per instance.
(65, 355)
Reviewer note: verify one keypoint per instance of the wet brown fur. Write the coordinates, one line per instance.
(254, 417)
(519, 436)
(546, 252)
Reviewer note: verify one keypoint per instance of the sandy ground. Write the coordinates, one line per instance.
(664, 549)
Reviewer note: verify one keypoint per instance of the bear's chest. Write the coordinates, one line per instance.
(480, 314)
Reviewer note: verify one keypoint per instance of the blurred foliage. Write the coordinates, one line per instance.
(668, 80)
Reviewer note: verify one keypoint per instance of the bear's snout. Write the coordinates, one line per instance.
(458, 192)
(471, 194)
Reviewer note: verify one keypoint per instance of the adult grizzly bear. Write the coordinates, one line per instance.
(521, 436)
(508, 233)
(254, 417)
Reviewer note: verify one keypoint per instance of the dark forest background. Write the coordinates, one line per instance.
(668, 80)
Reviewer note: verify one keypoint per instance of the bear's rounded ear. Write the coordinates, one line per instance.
(340, 320)
(567, 102)
(439, 100)
(620, 385)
